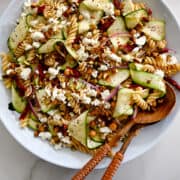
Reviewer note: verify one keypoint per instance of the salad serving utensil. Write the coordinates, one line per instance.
(143, 118)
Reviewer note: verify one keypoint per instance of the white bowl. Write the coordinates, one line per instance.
(67, 158)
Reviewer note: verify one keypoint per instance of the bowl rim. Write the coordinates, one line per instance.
(137, 154)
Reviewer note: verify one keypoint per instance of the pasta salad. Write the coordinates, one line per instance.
(79, 69)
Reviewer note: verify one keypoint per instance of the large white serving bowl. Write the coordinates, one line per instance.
(65, 157)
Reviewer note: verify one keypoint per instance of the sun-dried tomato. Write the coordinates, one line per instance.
(105, 23)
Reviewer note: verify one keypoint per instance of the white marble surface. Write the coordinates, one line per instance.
(161, 163)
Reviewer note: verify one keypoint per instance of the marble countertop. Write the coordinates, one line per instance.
(160, 163)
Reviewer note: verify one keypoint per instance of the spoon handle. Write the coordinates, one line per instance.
(119, 156)
(102, 152)
(91, 164)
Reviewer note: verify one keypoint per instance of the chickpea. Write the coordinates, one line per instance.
(92, 133)
(117, 12)
(81, 17)
(113, 126)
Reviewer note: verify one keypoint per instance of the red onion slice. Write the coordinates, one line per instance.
(113, 93)
(173, 82)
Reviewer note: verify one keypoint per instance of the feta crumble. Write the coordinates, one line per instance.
(141, 41)
(105, 94)
(25, 73)
(28, 47)
(36, 44)
(37, 36)
(45, 135)
(106, 130)
(94, 74)
(96, 102)
(82, 54)
(53, 72)
(159, 73)
(103, 67)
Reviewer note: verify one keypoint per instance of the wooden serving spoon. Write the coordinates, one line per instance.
(144, 117)
(119, 156)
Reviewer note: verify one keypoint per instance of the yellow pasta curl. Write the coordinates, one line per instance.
(72, 31)
(151, 100)
(140, 102)
(138, 6)
(8, 82)
(148, 68)
(6, 61)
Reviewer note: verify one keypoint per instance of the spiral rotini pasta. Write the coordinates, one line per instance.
(151, 100)
(72, 31)
(140, 102)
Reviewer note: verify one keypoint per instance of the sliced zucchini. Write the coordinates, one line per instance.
(21, 60)
(70, 62)
(155, 29)
(128, 7)
(19, 103)
(18, 34)
(71, 51)
(78, 128)
(134, 18)
(30, 18)
(49, 46)
(96, 4)
(90, 17)
(33, 124)
(40, 96)
(97, 138)
(116, 32)
(123, 104)
(149, 80)
(93, 144)
(116, 78)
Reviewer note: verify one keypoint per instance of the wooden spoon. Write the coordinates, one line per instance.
(119, 156)
(143, 117)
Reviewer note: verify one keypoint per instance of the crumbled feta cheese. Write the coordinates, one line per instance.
(96, 102)
(52, 112)
(136, 35)
(37, 36)
(45, 135)
(53, 20)
(34, 22)
(159, 73)
(58, 146)
(103, 67)
(9, 71)
(61, 9)
(114, 57)
(107, 105)
(28, 47)
(94, 74)
(53, 72)
(43, 119)
(63, 84)
(66, 140)
(60, 135)
(82, 54)
(76, 96)
(87, 41)
(91, 92)
(57, 117)
(27, 3)
(105, 94)
(106, 130)
(173, 60)
(141, 41)
(36, 44)
(61, 96)
(85, 99)
(48, 91)
(45, 28)
(136, 49)
(108, 9)
(25, 73)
